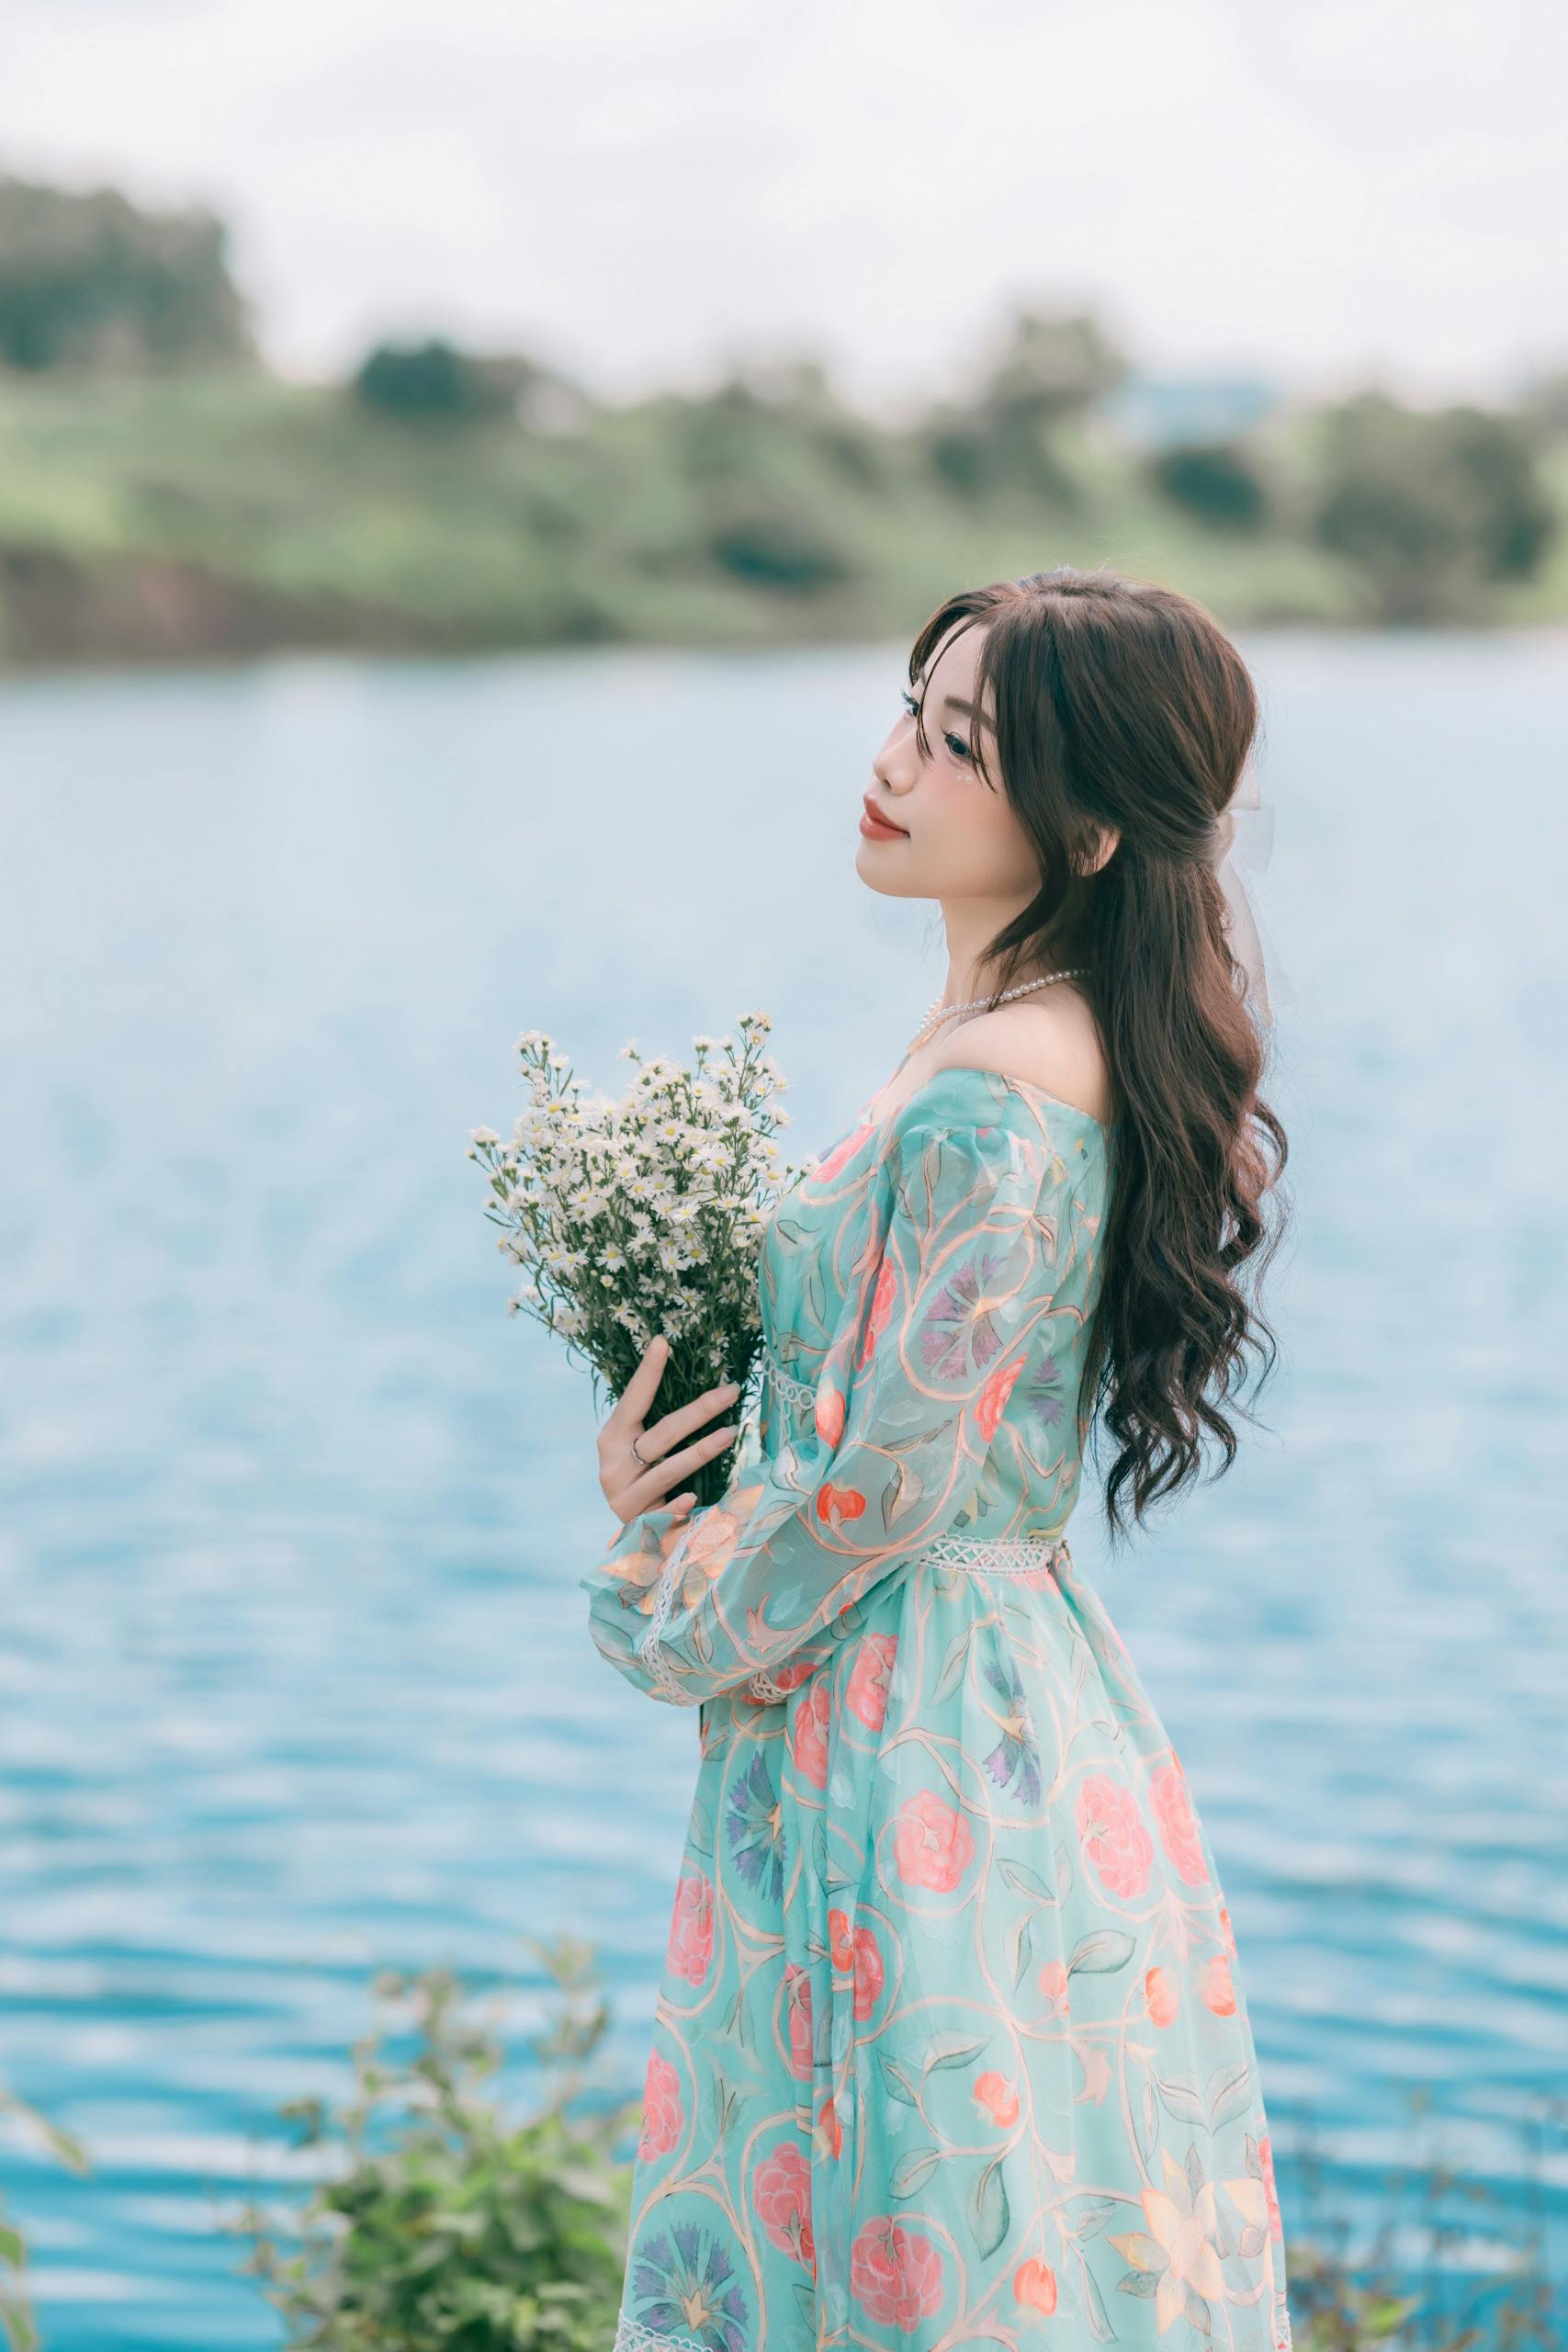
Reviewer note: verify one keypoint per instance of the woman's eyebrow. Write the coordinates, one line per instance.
(957, 702)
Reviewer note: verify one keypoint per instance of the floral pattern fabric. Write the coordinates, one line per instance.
(952, 2047)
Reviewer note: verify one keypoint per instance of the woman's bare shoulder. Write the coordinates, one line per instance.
(1048, 1040)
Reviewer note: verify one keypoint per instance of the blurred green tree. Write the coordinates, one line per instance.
(436, 382)
(1050, 370)
(89, 280)
(1434, 506)
(1214, 481)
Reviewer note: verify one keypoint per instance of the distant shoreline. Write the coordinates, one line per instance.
(229, 516)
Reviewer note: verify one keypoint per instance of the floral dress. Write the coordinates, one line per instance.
(951, 2049)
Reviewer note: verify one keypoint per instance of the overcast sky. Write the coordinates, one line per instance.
(637, 190)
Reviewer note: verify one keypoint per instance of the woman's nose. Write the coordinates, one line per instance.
(894, 765)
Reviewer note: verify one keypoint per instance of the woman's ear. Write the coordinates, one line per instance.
(1107, 837)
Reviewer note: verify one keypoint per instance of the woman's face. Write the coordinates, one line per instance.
(959, 837)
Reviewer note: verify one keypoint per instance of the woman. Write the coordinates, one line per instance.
(951, 2048)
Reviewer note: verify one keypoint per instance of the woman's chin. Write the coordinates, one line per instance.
(880, 872)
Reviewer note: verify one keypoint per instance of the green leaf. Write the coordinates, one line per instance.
(21, 2334)
(1151, 2118)
(897, 2082)
(990, 2209)
(1138, 2248)
(1097, 2212)
(1230, 2090)
(916, 2167)
(1093, 2302)
(1103, 1953)
(901, 1493)
(1137, 2282)
(1181, 2098)
(951, 2050)
(1024, 1881)
(952, 1665)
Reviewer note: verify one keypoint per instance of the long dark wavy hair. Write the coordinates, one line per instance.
(1121, 703)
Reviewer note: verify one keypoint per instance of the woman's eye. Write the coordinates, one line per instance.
(956, 743)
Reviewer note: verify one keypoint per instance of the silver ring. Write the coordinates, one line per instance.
(647, 1465)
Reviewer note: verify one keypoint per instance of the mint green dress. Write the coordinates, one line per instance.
(951, 2048)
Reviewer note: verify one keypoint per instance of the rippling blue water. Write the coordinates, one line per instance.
(295, 1682)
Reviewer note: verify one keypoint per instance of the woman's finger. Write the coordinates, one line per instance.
(655, 1441)
(647, 1492)
(630, 1408)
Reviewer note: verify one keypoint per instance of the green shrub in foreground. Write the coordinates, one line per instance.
(447, 2228)
(16, 2320)
(1415, 2283)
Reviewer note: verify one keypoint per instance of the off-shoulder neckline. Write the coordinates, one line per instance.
(1002, 1077)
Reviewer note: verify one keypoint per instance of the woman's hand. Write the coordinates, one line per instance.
(631, 1486)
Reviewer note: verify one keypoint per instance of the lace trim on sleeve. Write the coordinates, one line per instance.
(649, 1653)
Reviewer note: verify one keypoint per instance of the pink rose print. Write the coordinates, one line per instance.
(840, 1154)
(1225, 1931)
(1219, 1993)
(691, 1931)
(790, 1677)
(868, 1973)
(1034, 2285)
(1160, 1998)
(1113, 1836)
(829, 1415)
(808, 1735)
(881, 1309)
(1178, 1825)
(895, 2273)
(998, 2093)
(836, 1504)
(993, 1398)
(1054, 1983)
(660, 2108)
(798, 2010)
(1266, 2153)
(828, 2139)
(781, 2192)
(933, 1845)
(866, 1693)
(840, 1943)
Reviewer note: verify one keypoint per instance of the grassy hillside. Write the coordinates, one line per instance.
(212, 514)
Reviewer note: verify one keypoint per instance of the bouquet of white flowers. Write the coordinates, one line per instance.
(644, 1215)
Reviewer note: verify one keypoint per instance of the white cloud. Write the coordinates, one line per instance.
(636, 192)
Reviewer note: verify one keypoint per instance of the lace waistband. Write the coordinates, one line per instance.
(1017, 1555)
(1011, 1555)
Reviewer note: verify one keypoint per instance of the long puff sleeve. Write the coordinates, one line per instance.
(943, 1350)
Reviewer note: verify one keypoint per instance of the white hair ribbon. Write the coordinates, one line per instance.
(1246, 837)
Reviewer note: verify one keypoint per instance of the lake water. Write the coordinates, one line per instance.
(296, 1682)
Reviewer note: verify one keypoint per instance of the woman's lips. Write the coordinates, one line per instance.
(876, 828)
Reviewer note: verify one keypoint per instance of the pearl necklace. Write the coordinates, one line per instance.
(984, 1003)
